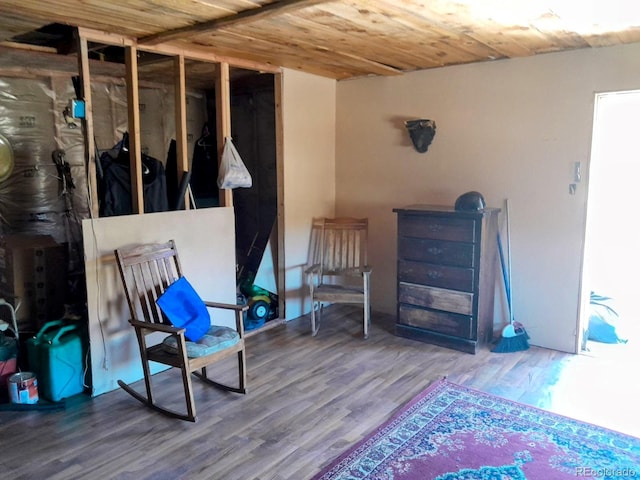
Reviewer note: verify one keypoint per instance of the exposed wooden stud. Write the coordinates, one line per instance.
(98, 36)
(246, 16)
(18, 72)
(280, 223)
(133, 107)
(87, 123)
(181, 121)
(223, 122)
(28, 47)
(209, 55)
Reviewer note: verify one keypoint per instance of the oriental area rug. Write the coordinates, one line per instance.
(450, 432)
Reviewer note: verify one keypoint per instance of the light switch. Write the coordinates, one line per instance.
(577, 171)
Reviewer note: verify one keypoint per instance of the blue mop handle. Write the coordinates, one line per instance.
(507, 214)
(507, 287)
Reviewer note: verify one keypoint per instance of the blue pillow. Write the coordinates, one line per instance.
(184, 308)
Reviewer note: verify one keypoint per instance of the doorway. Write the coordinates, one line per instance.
(612, 256)
(255, 133)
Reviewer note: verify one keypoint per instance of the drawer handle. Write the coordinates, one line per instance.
(434, 250)
(433, 275)
(435, 227)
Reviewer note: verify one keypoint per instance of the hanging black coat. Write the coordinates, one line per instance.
(115, 193)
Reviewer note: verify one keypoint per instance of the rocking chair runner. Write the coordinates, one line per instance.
(147, 271)
(339, 272)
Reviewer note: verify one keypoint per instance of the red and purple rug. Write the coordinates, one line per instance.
(450, 432)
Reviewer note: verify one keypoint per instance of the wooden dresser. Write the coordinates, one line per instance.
(447, 263)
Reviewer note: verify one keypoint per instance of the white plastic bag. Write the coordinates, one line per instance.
(233, 173)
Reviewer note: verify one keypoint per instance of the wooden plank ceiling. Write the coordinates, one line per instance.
(340, 39)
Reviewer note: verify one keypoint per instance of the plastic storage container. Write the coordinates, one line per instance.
(56, 356)
(8, 363)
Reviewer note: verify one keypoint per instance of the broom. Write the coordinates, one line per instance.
(514, 337)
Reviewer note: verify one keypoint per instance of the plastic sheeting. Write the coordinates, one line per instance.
(33, 199)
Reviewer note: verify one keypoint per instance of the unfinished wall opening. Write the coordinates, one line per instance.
(253, 129)
(111, 127)
(143, 103)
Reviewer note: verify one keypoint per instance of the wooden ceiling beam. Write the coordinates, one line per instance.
(26, 46)
(276, 8)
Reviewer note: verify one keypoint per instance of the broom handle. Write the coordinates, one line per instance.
(509, 296)
(503, 266)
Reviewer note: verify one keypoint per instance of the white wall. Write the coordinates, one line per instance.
(205, 239)
(309, 118)
(509, 129)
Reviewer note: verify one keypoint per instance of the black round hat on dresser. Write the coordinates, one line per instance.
(470, 202)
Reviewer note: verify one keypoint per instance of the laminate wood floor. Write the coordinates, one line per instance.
(309, 399)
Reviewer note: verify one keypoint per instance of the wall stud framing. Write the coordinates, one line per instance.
(133, 106)
(181, 120)
(223, 123)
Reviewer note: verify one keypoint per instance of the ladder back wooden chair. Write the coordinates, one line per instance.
(147, 271)
(339, 272)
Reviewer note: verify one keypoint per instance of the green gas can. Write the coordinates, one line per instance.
(56, 356)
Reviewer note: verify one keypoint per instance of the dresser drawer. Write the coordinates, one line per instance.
(436, 251)
(441, 322)
(436, 298)
(437, 228)
(446, 275)
(436, 275)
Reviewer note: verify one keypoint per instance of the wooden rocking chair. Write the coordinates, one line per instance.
(147, 271)
(339, 272)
